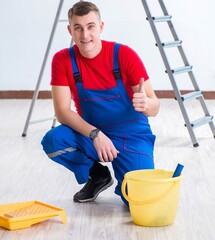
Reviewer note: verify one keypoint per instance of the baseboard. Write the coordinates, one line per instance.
(171, 94)
(47, 94)
(24, 95)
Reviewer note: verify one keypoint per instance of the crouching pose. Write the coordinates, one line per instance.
(113, 98)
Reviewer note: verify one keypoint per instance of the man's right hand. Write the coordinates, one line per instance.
(105, 148)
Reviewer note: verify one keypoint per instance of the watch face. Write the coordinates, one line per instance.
(94, 133)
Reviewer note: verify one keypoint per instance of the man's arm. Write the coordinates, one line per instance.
(144, 99)
(62, 104)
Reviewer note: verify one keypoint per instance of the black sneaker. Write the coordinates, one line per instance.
(94, 186)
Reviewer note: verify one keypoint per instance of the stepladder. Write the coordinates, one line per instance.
(44, 62)
(184, 70)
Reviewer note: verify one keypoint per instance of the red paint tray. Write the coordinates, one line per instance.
(24, 214)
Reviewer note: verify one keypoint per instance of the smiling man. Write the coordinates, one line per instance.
(113, 98)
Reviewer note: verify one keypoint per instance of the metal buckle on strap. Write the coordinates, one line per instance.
(77, 77)
(117, 74)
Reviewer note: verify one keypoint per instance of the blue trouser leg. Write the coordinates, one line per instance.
(135, 154)
(77, 153)
(70, 149)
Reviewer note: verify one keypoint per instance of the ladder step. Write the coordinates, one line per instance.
(201, 121)
(165, 18)
(63, 20)
(191, 95)
(182, 69)
(171, 44)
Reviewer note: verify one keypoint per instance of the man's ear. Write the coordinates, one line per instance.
(101, 26)
(69, 30)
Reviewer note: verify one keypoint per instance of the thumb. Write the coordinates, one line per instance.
(141, 86)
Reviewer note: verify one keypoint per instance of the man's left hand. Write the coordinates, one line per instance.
(140, 99)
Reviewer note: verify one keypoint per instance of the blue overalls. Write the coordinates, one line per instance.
(111, 111)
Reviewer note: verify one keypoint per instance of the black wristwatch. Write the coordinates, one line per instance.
(94, 133)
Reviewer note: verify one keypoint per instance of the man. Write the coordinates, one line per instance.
(113, 98)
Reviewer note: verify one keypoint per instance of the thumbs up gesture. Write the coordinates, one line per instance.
(139, 98)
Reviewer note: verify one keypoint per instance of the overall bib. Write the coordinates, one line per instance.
(111, 111)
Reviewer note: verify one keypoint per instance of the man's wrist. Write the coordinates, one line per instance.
(94, 133)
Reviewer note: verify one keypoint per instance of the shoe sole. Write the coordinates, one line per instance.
(93, 198)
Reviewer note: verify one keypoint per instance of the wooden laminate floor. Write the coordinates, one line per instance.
(27, 174)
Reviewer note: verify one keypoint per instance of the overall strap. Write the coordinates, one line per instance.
(116, 70)
(76, 73)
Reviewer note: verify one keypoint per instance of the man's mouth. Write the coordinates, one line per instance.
(86, 42)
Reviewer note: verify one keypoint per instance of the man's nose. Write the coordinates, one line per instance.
(85, 33)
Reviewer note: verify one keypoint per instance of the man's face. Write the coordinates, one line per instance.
(85, 31)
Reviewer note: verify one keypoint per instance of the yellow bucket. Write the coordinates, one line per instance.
(153, 196)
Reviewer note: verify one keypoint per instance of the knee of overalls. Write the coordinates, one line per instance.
(55, 139)
(47, 142)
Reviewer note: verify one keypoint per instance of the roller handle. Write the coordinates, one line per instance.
(178, 170)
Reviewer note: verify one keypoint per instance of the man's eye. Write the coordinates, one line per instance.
(77, 28)
(91, 26)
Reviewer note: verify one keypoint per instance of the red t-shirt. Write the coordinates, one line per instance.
(97, 73)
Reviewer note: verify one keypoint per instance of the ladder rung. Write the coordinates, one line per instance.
(165, 18)
(171, 44)
(182, 69)
(201, 121)
(42, 120)
(63, 20)
(191, 95)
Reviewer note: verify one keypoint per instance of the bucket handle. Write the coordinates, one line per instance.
(156, 199)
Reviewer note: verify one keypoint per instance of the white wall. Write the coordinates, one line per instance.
(26, 26)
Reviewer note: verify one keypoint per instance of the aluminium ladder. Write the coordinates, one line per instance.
(196, 93)
(36, 91)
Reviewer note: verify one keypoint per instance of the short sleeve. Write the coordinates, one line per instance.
(59, 75)
(132, 66)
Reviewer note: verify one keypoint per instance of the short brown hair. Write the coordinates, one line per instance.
(83, 8)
